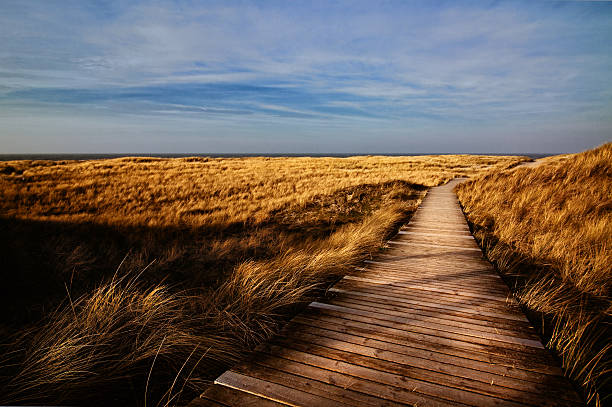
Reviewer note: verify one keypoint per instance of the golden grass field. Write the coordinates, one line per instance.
(137, 280)
(548, 229)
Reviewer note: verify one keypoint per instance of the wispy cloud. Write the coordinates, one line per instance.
(350, 70)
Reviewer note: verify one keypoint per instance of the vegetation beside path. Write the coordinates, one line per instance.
(548, 229)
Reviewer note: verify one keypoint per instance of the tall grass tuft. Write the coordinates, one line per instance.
(258, 293)
(128, 344)
(549, 230)
(97, 349)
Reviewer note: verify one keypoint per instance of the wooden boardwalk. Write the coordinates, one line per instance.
(428, 323)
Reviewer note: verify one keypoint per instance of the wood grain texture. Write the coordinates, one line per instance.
(428, 322)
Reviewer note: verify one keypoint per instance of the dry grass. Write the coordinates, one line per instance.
(226, 250)
(127, 343)
(549, 229)
(205, 192)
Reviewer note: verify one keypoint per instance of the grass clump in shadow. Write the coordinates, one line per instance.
(128, 343)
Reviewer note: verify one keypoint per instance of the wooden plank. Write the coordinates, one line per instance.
(405, 381)
(219, 395)
(435, 253)
(408, 287)
(480, 279)
(434, 305)
(438, 217)
(399, 255)
(309, 379)
(383, 306)
(408, 314)
(449, 376)
(437, 228)
(404, 294)
(439, 223)
(502, 357)
(400, 267)
(465, 293)
(444, 233)
(417, 350)
(388, 395)
(434, 245)
(431, 336)
(391, 260)
(430, 325)
(429, 257)
(438, 272)
(468, 261)
(419, 234)
(452, 281)
(273, 391)
(430, 318)
(427, 364)
(441, 218)
(446, 218)
(453, 231)
(396, 290)
(438, 240)
(441, 206)
(429, 206)
(438, 248)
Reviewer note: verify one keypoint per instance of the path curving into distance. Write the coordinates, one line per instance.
(428, 323)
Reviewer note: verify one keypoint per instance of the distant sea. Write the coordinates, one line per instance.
(60, 156)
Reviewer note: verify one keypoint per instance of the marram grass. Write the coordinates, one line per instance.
(549, 230)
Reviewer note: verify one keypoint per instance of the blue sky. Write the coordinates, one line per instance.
(296, 77)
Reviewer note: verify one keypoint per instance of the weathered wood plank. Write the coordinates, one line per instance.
(274, 391)
(438, 274)
(433, 245)
(399, 293)
(388, 394)
(399, 256)
(310, 379)
(447, 376)
(218, 395)
(431, 327)
(403, 309)
(451, 234)
(321, 335)
(434, 305)
(404, 381)
(436, 284)
(491, 355)
(425, 287)
(442, 339)
(453, 281)
(442, 235)
(394, 263)
(410, 284)
(412, 227)
(408, 316)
